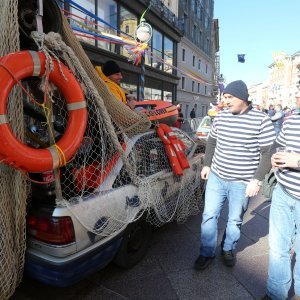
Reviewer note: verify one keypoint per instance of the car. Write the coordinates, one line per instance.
(113, 223)
(203, 129)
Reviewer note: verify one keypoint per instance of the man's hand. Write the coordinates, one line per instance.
(205, 172)
(131, 103)
(285, 160)
(252, 189)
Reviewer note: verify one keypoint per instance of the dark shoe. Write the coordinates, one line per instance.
(229, 258)
(202, 262)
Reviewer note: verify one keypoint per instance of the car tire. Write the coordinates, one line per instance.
(135, 244)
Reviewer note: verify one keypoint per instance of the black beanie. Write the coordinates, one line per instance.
(237, 89)
(110, 67)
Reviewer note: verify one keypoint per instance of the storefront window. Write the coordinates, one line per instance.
(168, 55)
(157, 50)
(84, 22)
(128, 24)
(152, 94)
(107, 11)
(168, 96)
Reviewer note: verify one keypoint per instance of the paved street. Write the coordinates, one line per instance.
(167, 270)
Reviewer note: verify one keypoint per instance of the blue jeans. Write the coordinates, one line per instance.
(283, 225)
(216, 193)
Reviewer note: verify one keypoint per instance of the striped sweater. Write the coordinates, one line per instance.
(289, 137)
(239, 139)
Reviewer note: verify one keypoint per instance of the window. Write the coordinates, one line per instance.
(168, 54)
(193, 85)
(205, 90)
(182, 83)
(157, 41)
(198, 87)
(88, 20)
(107, 11)
(193, 60)
(185, 23)
(199, 64)
(128, 24)
(194, 35)
(183, 54)
(206, 68)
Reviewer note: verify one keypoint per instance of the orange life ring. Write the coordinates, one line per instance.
(172, 157)
(18, 66)
(177, 146)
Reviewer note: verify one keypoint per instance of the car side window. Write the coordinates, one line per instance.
(186, 140)
(147, 158)
(150, 156)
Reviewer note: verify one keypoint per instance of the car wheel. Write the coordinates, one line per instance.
(135, 244)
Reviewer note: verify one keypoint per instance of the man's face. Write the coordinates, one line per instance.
(116, 78)
(235, 105)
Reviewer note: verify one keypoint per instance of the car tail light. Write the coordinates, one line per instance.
(51, 230)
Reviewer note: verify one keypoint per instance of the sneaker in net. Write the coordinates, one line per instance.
(202, 262)
(228, 258)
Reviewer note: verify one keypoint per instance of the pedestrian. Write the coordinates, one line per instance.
(193, 116)
(193, 113)
(284, 220)
(271, 111)
(277, 119)
(180, 118)
(111, 74)
(237, 157)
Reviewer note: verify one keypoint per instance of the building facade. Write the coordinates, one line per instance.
(122, 17)
(281, 86)
(196, 56)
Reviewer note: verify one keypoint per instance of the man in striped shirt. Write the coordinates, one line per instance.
(284, 221)
(237, 157)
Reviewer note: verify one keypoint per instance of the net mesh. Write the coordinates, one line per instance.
(118, 152)
(14, 186)
(120, 171)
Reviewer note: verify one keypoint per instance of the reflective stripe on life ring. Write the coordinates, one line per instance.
(24, 64)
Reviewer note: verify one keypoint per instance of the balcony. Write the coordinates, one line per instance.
(167, 14)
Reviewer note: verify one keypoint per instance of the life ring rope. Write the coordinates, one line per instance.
(56, 152)
(25, 64)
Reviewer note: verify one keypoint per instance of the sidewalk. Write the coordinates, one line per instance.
(167, 270)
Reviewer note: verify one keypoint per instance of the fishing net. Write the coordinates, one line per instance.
(120, 171)
(14, 187)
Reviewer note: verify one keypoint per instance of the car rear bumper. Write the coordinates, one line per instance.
(62, 272)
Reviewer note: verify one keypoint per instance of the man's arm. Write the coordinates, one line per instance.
(209, 151)
(277, 116)
(264, 164)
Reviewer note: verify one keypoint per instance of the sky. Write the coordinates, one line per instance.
(256, 28)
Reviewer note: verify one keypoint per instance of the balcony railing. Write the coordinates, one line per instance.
(167, 14)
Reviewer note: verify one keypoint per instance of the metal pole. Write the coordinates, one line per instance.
(142, 79)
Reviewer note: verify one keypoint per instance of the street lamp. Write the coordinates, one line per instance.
(143, 33)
